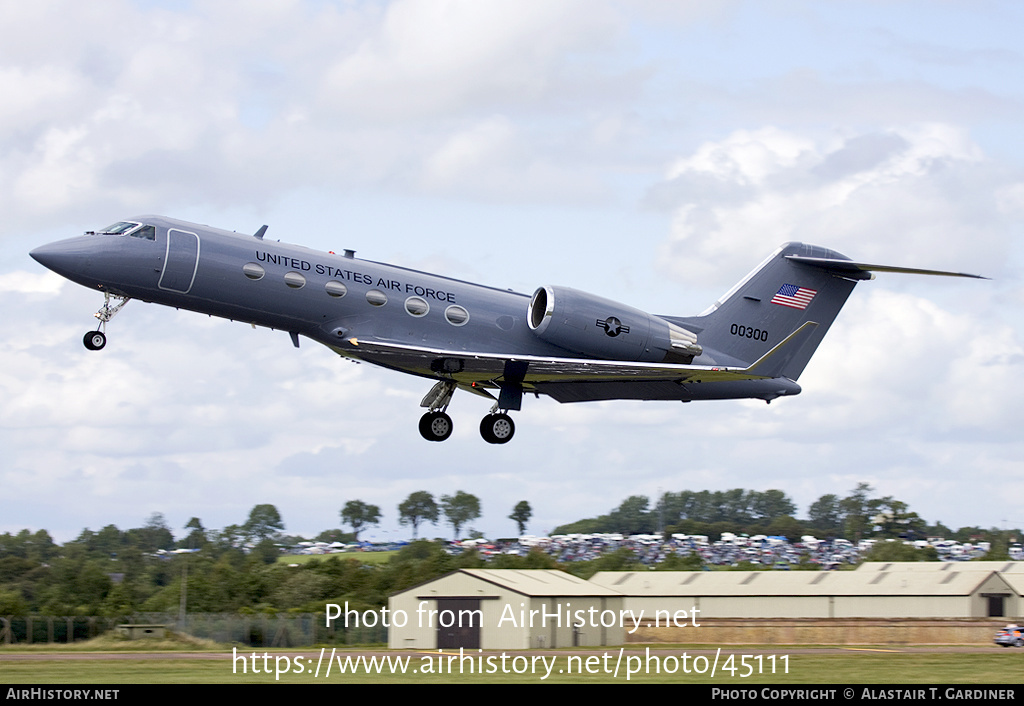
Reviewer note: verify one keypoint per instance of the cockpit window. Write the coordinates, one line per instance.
(119, 228)
(145, 232)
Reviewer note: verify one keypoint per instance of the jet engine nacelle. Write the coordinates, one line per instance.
(601, 328)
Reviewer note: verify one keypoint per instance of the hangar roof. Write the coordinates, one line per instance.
(1003, 567)
(793, 583)
(1016, 581)
(526, 582)
(541, 582)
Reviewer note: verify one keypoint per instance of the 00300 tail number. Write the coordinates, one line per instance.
(748, 332)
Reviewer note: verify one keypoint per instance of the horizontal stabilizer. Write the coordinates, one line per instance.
(857, 267)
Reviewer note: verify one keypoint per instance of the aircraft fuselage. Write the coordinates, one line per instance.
(320, 295)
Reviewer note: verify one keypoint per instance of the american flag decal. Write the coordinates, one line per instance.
(793, 296)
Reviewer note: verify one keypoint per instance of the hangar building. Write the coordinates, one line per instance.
(506, 609)
(878, 593)
(1000, 603)
(521, 609)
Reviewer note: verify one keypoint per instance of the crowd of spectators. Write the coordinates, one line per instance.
(729, 550)
(654, 549)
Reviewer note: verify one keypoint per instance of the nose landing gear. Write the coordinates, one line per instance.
(95, 340)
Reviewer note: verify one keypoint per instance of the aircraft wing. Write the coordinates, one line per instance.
(471, 369)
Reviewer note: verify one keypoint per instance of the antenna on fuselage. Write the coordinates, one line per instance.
(260, 233)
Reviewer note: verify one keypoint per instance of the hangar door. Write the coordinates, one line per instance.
(996, 608)
(459, 621)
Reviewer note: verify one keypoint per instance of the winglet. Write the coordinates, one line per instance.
(774, 362)
(260, 233)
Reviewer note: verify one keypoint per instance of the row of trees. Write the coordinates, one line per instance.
(114, 572)
(858, 515)
(459, 510)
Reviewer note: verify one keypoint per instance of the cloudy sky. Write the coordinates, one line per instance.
(648, 152)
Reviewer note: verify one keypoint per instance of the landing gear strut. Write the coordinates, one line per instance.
(436, 425)
(95, 340)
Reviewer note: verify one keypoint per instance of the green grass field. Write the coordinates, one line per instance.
(862, 666)
(362, 557)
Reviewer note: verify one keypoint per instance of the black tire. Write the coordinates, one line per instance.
(435, 426)
(94, 340)
(497, 428)
(1019, 642)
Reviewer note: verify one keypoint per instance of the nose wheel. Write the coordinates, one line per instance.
(497, 428)
(95, 340)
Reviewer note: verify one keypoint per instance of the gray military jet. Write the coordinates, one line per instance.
(572, 346)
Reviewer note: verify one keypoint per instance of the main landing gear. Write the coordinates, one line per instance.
(435, 426)
(95, 340)
(496, 428)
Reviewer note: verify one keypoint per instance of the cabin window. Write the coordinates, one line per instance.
(253, 271)
(417, 306)
(456, 315)
(376, 297)
(295, 280)
(336, 288)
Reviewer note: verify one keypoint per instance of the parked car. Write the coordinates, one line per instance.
(1010, 636)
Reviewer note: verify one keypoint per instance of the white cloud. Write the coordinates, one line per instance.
(430, 58)
(898, 362)
(32, 282)
(745, 157)
(917, 195)
(472, 151)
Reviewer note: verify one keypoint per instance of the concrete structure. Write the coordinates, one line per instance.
(138, 632)
(824, 631)
(505, 609)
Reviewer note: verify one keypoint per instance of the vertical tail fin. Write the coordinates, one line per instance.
(797, 284)
(775, 300)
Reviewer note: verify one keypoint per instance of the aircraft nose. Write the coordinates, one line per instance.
(50, 256)
(63, 257)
